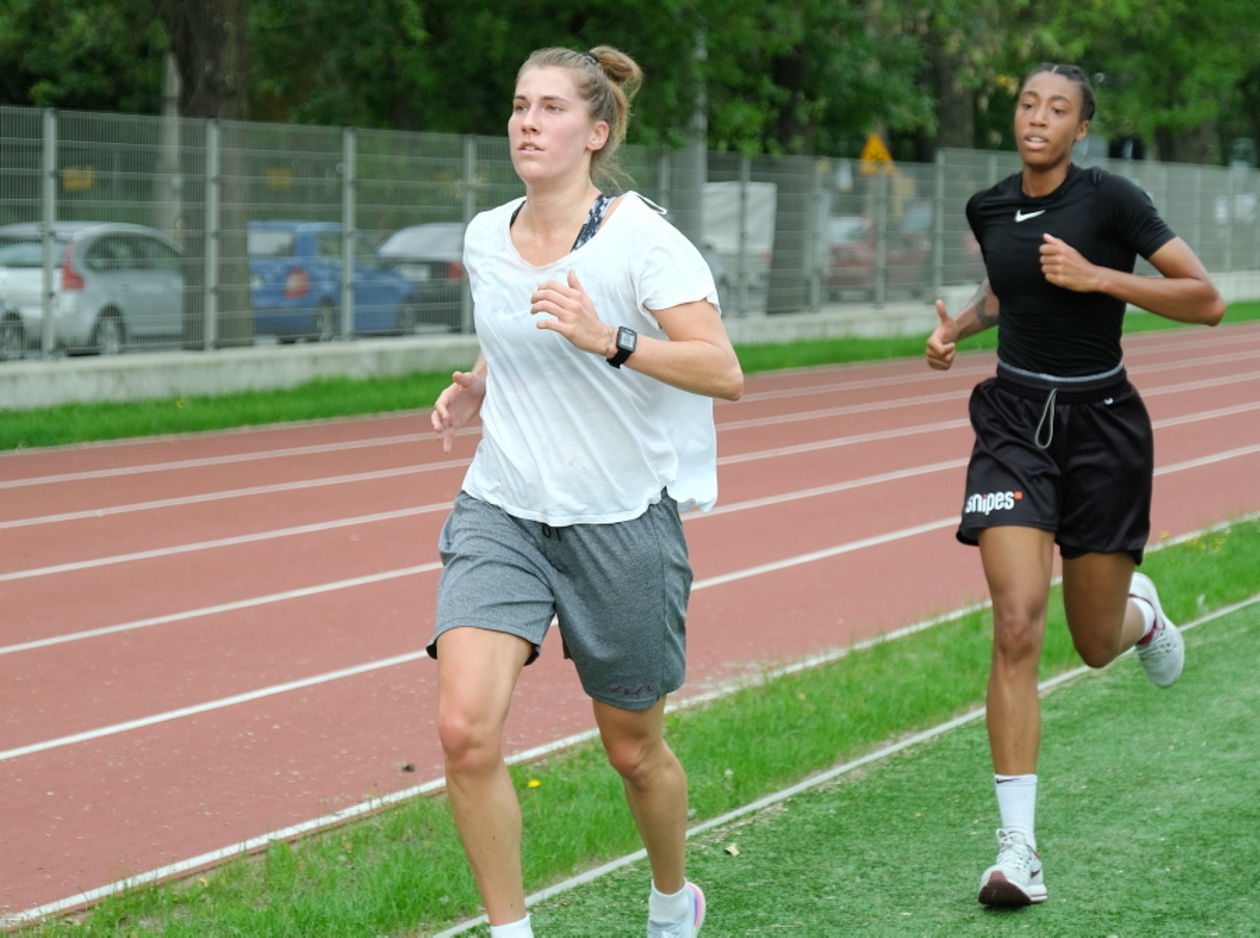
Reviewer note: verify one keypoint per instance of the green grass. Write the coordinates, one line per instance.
(325, 398)
(402, 873)
(1146, 817)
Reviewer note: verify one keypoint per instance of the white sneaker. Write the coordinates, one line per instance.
(689, 926)
(1015, 878)
(1163, 654)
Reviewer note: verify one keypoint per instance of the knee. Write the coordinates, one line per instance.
(1094, 652)
(468, 745)
(1017, 637)
(635, 760)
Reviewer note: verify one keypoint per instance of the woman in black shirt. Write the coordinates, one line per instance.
(1063, 448)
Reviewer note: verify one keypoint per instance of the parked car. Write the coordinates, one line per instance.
(113, 284)
(295, 283)
(854, 254)
(431, 256)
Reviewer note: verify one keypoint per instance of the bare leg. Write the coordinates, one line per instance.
(477, 672)
(1018, 563)
(1103, 620)
(655, 784)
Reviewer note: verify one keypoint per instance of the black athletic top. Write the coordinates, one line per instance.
(1042, 327)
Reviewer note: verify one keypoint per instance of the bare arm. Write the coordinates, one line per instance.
(698, 356)
(1184, 292)
(979, 314)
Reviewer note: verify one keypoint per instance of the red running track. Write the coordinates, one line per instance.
(208, 639)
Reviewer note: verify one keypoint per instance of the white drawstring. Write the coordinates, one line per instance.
(1047, 411)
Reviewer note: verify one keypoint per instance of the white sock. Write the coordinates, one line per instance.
(1017, 803)
(669, 908)
(1148, 617)
(520, 929)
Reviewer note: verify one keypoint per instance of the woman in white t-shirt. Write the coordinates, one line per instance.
(602, 348)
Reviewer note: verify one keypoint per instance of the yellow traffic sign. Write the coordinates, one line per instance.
(875, 156)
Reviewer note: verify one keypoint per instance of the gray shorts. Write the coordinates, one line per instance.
(619, 592)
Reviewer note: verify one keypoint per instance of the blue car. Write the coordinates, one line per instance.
(295, 283)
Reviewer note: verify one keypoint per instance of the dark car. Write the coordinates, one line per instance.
(853, 258)
(431, 256)
(295, 283)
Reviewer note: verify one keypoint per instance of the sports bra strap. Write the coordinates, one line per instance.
(589, 227)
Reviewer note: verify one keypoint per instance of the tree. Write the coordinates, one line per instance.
(208, 41)
(92, 55)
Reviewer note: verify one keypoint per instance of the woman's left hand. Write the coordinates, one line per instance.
(574, 315)
(1064, 266)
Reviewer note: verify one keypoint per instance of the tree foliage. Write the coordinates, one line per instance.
(768, 76)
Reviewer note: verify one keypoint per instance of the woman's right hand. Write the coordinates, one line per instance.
(942, 344)
(457, 405)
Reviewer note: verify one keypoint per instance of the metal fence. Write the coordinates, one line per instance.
(122, 232)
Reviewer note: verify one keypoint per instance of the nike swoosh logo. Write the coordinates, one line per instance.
(1020, 216)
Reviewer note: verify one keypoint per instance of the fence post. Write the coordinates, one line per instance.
(349, 233)
(813, 243)
(48, 207)
(881, 234)
(938, 226)
(1254, 227)
(210, 312)
(1230, 212)
(1198, 208)
(470, 209)
(741, 245)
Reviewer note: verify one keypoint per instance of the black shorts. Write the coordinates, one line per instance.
(1068, 455)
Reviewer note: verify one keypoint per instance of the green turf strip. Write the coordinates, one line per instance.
(1147, 824)
(402, 872)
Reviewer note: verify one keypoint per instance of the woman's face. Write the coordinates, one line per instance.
(1048, 120)
(551, 132)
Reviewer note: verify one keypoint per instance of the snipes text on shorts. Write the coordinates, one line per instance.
(978, 504)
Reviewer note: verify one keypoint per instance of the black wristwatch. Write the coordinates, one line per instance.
(627, 339)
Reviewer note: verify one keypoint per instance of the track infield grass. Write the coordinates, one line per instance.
(1147, 822)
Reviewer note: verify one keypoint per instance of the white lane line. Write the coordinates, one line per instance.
(892, 475)
(237, 540)
(353, 478)
(371, 476)
(315, 527)
(239, 604)
(719, 580)
(318, 527)
(750, 504)
(210, 705)
(279, 487)
(945, 396)
(427, 436)
(202, 462)
(235, 699)
(373, 805)
(760, 569)
(919, 375)
(1208, 460)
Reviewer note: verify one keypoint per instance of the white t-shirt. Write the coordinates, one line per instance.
(566, 438)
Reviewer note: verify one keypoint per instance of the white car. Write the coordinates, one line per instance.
(113, 284)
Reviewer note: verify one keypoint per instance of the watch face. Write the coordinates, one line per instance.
(627, 339)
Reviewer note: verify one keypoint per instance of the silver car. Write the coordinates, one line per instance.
(113, 284)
